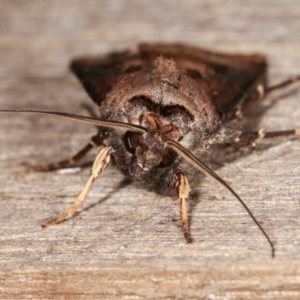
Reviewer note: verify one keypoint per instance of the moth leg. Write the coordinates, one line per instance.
(252, 138)
(280, 85)
(101, 161)
(95, 141)
(182, 193)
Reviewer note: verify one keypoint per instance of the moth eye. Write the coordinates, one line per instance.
(131, 141)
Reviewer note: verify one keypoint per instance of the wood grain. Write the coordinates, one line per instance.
(126, 242)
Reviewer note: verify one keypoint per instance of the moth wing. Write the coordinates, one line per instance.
(230, 78)
(99, 74)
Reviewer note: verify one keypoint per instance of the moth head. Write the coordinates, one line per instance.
(148, 152)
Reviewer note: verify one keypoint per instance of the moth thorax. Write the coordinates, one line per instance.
(166, 70)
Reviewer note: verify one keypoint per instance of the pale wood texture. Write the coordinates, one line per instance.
(126, 242)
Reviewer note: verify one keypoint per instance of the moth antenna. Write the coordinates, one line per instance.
(84, 119)
(189, 157)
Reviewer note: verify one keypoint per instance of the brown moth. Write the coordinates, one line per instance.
(160, 104)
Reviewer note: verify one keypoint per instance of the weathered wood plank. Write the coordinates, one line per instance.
(126, 242)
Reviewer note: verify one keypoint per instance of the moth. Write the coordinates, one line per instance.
(164, 109)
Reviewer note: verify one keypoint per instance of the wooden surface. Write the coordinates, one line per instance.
(126, 242)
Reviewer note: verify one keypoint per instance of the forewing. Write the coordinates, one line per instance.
(99, 74)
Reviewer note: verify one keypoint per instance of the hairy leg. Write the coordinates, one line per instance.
(100, 162)
(182, 193)
(95, 141)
